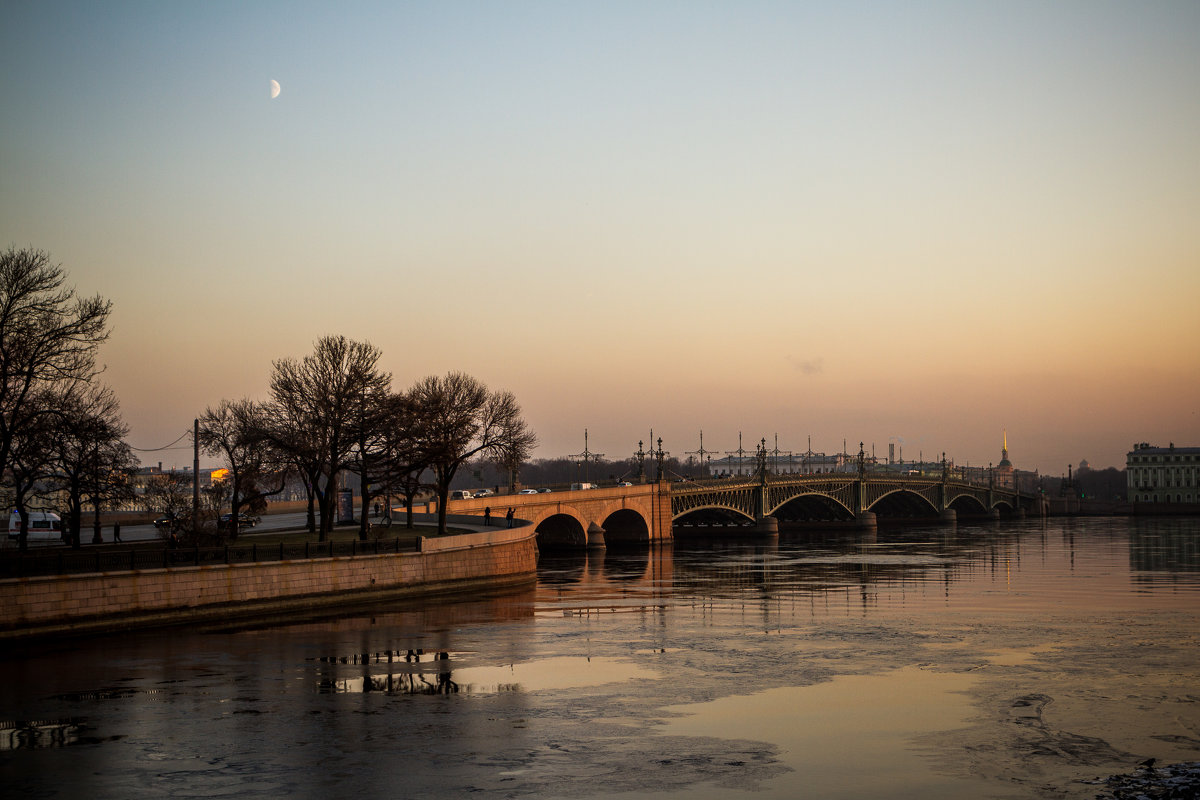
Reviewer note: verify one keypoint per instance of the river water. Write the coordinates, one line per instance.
(1003, 660)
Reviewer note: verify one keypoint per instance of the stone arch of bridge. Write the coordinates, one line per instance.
(625, 526)
(811, 507)
(902, 503)
(561, 529)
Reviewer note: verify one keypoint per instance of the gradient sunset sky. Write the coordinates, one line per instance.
(922, 223)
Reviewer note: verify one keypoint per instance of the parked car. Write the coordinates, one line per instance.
(164, 521)
(528, 491)
(244, 520)
(485, 493)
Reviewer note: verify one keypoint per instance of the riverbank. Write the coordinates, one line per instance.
(104, 602)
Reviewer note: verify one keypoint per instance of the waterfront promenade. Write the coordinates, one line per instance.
(121, 599)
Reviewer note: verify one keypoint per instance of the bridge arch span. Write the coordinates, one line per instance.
(903, 503)
(716, 515)
(967, 505)
(625, 526)
(561, 529)
(811, 507)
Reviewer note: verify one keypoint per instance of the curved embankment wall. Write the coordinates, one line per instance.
(111, 601)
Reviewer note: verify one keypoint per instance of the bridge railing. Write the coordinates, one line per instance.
(870, 474)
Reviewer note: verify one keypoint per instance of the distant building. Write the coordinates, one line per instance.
(1163, 474)
(1004, 470)
(1001, 476)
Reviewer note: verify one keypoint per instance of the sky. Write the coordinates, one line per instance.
(928, 224)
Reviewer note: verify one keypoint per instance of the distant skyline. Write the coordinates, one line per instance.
(922, 223)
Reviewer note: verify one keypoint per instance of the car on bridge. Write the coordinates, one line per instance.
(528, 491)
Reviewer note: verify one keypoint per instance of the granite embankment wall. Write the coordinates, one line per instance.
(111, 601)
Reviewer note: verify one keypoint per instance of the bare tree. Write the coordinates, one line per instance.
(234, 431)
(85, 443)
(316, 402)
(170, 493)
(110, 484)
(369, 458)
(459, 419)
(30, 469)
(48, 340)
(405, 460)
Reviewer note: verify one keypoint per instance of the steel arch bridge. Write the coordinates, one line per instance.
(755, 498)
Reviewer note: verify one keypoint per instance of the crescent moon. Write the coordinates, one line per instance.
(274, 89)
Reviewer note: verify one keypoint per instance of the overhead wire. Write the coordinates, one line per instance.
(164, 447)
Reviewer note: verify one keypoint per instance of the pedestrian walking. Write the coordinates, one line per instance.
(487, 516)
(117, 531)
(509, 516)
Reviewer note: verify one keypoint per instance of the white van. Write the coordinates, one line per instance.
(575, 487)
(45, 527)
(460, 494)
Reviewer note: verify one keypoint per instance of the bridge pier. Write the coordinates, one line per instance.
(865, 520)
(948, 516)
(768, 526)
(595, 537)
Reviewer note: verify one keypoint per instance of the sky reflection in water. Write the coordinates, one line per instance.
(1004, 660)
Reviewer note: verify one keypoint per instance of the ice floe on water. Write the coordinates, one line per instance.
(1172, 782)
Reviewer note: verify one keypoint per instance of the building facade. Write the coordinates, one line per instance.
(1163, 474)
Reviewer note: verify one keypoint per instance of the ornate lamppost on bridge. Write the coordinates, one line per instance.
(660, 455)
(587, 455)
(641, 462)
(741, 456)
(701, 453)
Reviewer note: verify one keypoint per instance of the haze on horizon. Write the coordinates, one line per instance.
(923, 224)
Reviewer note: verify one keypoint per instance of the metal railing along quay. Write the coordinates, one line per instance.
(61, 561)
